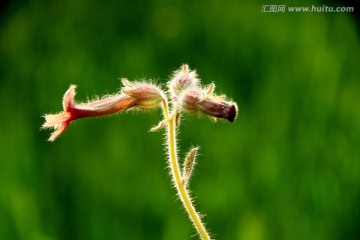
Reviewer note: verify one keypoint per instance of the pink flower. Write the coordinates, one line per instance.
(144, 96)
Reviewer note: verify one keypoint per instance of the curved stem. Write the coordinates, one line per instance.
(175, 172)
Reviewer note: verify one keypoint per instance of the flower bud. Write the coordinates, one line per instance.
(218, 108)
(147, 95)
(182, 79)
(196, 99)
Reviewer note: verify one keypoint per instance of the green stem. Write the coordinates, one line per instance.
(175, 172)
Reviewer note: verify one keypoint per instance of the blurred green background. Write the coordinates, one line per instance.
(288, 168)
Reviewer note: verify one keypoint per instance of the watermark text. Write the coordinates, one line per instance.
(313, 8)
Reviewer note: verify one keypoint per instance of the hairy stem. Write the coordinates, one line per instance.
(176, 175)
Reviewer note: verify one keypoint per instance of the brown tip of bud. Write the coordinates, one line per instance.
(232, 113)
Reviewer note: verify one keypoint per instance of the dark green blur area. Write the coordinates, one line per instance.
(287, 168)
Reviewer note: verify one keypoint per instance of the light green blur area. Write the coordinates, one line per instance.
(287, 168)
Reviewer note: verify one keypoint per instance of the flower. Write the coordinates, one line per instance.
(197, 99)
(143, 96)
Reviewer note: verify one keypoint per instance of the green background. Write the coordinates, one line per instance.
(287, 168)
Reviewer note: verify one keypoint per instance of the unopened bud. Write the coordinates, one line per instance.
(196, 99)
(183, 78)
(147, 95)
